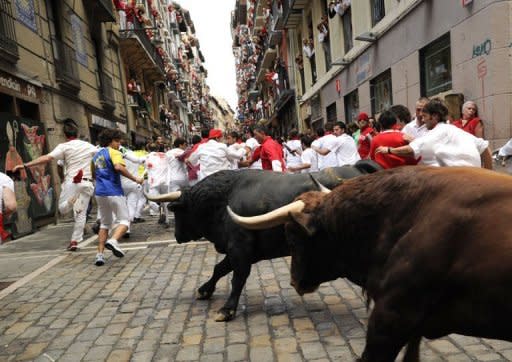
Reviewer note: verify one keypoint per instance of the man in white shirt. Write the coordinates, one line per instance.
(417, 128)
(214, 156)
(77, 187)
(234, 144)
(309, 158)
(178, 174)
(293, 150)
(8, 203)
(251, 144)
(132, 190)
(158, 172)
(326, 148)
(346, 153)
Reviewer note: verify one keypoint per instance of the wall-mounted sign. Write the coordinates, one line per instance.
(18, 86)
(102, 122)
(338, 85)
(26, 13)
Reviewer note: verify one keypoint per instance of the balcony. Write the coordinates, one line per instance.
(294, 15)
(139, 52)
(8, 45)
(280, 14)
(66, 68)
(108, 100)
(100, 10)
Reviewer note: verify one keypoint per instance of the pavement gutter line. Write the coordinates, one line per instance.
(87, 241)
(11, 288)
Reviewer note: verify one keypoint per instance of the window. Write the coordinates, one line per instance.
(381, 92)
(378, 11)
(351, 106)
(436, 67)
(346, 18)
(331, 112)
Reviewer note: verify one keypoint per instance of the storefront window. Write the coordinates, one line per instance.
(381, 92)
(436, 67)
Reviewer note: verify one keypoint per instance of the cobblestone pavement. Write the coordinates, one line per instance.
(142, 308)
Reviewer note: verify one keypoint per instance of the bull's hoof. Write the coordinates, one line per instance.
(225, 315)
(203, 295)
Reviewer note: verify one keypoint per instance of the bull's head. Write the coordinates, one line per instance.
(187, 223)
(305, 235)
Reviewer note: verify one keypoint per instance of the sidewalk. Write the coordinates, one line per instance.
(24, 255)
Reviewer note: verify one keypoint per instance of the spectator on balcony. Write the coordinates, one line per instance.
(309, 51)
(121, 10)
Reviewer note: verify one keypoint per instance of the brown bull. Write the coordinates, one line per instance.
(432, 247)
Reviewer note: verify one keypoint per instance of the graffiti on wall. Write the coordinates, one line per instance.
(22, 140)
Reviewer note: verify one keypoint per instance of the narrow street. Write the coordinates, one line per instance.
(142, 308)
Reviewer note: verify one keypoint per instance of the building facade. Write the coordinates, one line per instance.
(131, 65)
(384, 52)
(222, 114)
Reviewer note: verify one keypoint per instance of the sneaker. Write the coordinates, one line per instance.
(113, 246)
(73, 246)
(99, 259)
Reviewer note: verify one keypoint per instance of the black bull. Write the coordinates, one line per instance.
(201, 212)
(432, 247)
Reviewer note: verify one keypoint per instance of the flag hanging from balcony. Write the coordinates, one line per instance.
(78, 38)
(26, 14)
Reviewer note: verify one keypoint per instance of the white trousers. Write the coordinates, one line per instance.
(155, 191)
(109, 205)
(133, 192)
(76, 197)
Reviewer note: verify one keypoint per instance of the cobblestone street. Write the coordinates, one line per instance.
(142, 308)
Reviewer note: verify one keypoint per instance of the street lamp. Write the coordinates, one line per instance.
(343, 62)
(367, 36)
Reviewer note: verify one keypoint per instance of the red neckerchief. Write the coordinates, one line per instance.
(327, 133)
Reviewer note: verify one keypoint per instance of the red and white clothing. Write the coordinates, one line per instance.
(212, 157)
(364, 142)
(77, 188)
(5, 182)
(390, 138)
(271, 154)
(447, 145)
(238, 147)
(253, 145)
(157, 169)
(293, 151)
(469, 126)
(178, 174)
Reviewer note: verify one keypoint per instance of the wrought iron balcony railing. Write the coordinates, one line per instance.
(8, 45)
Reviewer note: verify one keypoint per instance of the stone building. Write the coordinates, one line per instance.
(105, 66)
(222, 114)
(382, 52)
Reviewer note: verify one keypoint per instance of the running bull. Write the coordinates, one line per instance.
(432, 247)
(201, 212)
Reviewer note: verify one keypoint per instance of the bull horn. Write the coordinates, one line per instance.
(268, 220)
(171, 196)
(321, 187)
